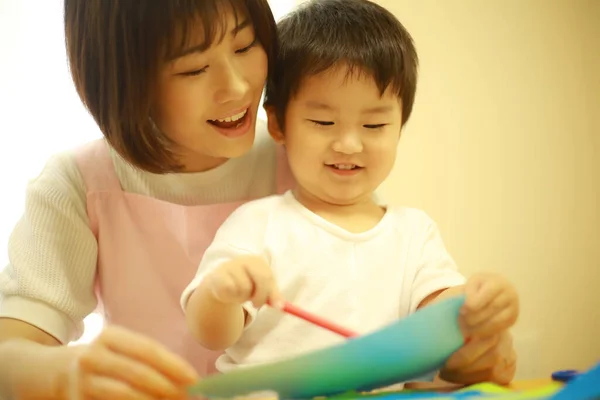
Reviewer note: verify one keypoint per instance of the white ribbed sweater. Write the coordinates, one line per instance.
(52, 251)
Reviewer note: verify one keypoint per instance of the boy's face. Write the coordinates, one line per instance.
(341, 136)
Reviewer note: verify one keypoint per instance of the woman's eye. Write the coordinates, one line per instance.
(321, 123)
(247, 48)
(195, 72)
(374, 126)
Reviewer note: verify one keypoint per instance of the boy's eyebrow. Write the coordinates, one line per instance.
(203, 46)
(316, 105)
(377, 110)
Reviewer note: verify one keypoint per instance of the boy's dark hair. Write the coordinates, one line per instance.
(360, 34)
(115, 49)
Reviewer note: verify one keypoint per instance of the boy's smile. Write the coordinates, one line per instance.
(345, 169)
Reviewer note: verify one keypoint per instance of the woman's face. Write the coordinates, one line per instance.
(207, 99)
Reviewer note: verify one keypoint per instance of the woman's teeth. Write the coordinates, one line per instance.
(234, 117)
(230, 122)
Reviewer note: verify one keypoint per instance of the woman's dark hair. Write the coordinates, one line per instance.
(115, 49)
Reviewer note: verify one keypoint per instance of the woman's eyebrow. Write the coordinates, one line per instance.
(202, 47)
(241, 26)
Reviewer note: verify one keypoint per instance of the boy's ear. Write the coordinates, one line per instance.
(273, 125)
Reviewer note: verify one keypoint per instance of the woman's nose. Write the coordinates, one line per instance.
(232, 85)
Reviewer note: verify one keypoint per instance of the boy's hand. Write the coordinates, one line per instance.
(246, 278)
(492, 359)
(491, 306)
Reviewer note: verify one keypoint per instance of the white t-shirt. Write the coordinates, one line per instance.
(52, 251)
(362, 281)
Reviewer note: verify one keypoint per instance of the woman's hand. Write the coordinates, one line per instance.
(121, 364)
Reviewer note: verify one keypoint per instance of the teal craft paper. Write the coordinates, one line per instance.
(404, 350)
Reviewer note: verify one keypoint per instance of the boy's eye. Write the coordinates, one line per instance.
(321, 123)
(247, 48)
(374, 126)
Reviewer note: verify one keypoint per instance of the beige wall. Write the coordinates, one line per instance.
(503, 151)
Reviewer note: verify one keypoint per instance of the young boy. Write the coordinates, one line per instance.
(342, 89)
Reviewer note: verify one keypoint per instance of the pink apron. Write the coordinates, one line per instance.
(148, 251)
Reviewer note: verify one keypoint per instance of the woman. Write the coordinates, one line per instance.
(174, 87)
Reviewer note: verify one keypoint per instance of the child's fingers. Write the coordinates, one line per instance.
(491, 359)
(244, 283)
(261, 291)
(276, 299)
(498, 323)
(479, 292)
(485, 359)
(457, 376)
(470, 352)
(229, 286)
(472, 289)
(222, 285)
(263, 281)
(495, 306)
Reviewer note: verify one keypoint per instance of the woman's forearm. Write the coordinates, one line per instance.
(31, 370)
(33, 365)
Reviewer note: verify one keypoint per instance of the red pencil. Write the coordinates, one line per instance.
(316, 320)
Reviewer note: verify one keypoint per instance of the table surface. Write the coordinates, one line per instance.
(515, 385)
(528, 384)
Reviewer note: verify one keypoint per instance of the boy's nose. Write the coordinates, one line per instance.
(348, 143)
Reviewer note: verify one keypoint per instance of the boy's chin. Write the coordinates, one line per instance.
(346, 199)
